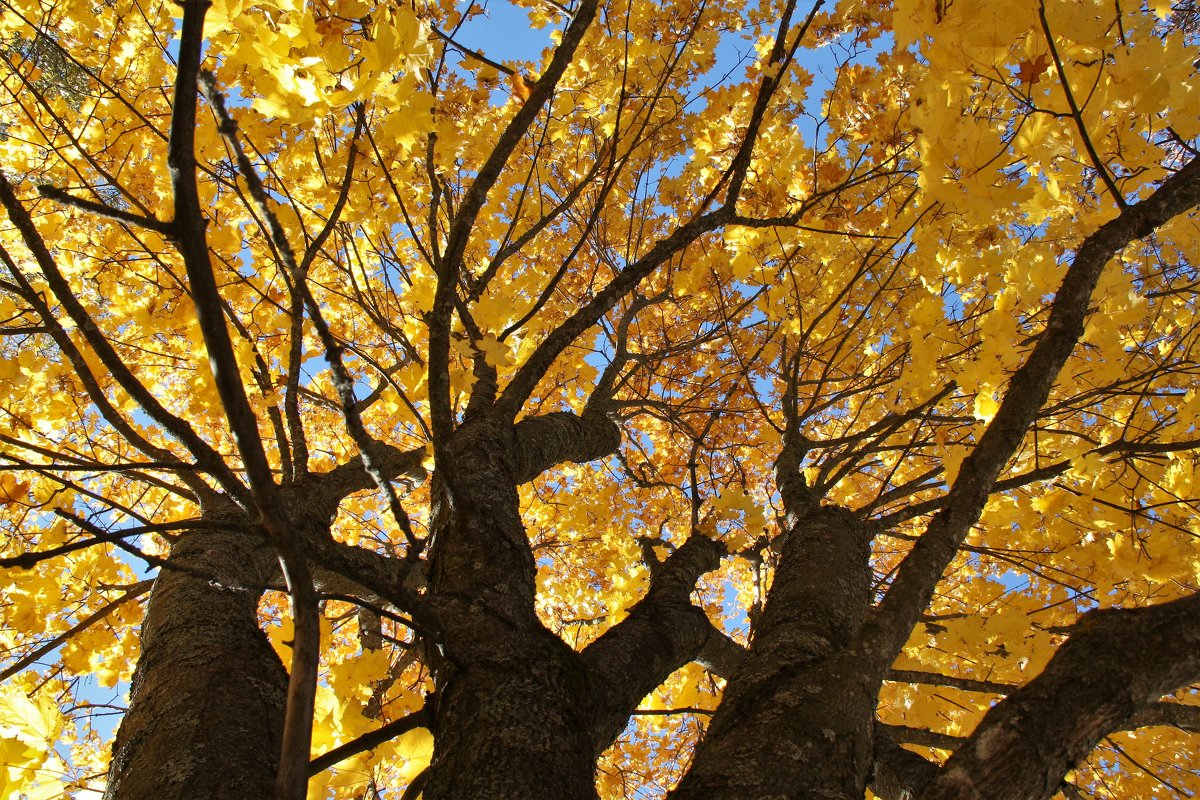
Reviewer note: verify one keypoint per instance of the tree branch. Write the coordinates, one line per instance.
(208, 458)
(102, 210)
(550, 439)
(29, 559)
(721, 655)
(663, 632)
(898, 774)
(370, 739)
(531, 372)
(885, 633)
(449, 266)
(1115, 662)
(189, 233)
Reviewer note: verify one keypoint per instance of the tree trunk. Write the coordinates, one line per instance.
(511, 717)
(796, 720)
(207, 702)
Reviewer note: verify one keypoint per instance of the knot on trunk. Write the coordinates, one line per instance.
(550, 439)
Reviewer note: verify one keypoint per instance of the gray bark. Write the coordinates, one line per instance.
(207, 701)
(796, 719)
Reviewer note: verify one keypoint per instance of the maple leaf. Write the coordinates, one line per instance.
(12, 491)
(520, 87)
(1030, 71)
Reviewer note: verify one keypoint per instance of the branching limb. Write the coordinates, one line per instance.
(527, 377)
(550, 439)
(885, 633)
(780, 60)
(342, 381)
(449, 264)
(663, 632)
(1173, 715)
(345, 479)
(190, 238)
(102, 210)
(898, 774)
(208, 459)
(1115, 662)
(30, 559)
(1077, 113)
(902, 774)
(721, 655)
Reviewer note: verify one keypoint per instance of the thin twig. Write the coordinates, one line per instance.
(333, 349)
(1077, 114)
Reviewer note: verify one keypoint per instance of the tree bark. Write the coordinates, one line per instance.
(663, 632)
(797, 720)
(510, 717)
(1027, 743)
(208, 696)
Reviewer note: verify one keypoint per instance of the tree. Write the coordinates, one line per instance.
(732, 400)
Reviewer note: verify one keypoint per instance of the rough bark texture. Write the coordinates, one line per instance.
(663, 632)
(551, 439)
(899, 774)
(509, 691)
(518, 714)
(208, 698)
(795, 721)
(207, 702)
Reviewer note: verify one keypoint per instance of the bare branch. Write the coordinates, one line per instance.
(102, 210)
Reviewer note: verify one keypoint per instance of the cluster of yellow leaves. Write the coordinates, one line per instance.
(360, 689)
(29, 730)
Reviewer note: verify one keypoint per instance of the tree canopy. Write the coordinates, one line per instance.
(721, 399)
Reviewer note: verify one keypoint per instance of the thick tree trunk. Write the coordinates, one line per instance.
(511, 717)
(796, 720)
(206, 712)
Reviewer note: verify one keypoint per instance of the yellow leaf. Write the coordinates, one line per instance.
(986, 405)
(519, 87)
(495, 352)
(415, 748)
(12, 492)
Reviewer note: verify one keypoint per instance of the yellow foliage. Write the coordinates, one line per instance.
(919, 184)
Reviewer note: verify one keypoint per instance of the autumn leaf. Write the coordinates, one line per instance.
(1030, 71)
(520, 88)
(12, 491)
